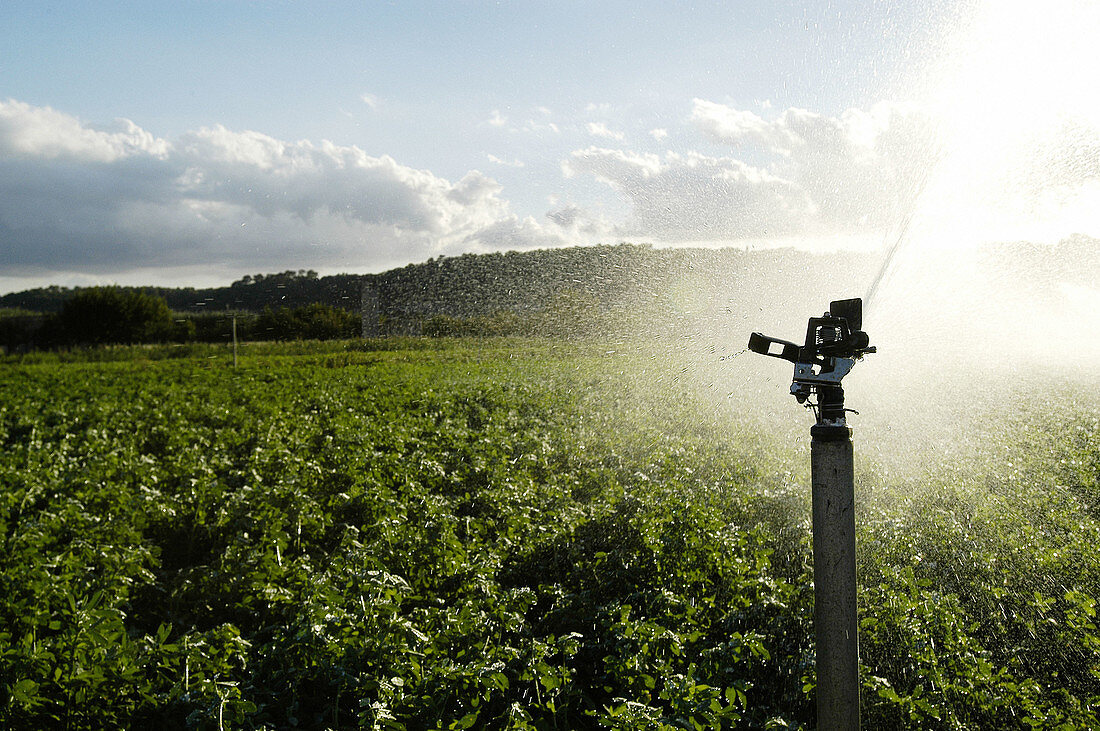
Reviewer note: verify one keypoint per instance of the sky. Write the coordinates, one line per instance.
(191, 142)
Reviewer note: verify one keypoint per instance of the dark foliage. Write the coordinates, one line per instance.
(312, 322)
(250, 293)
(101, 315)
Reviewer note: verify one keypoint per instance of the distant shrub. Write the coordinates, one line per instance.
(20, 328)
(214, 326)
(317, 321)
(445, 326)
(101, 315)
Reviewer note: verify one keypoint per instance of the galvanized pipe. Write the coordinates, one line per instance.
(834, 538)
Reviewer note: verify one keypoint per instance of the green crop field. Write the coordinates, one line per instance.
(510, 534)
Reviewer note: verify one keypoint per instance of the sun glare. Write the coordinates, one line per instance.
(1018, 125)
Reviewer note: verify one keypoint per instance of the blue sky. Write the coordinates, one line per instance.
(192, 142)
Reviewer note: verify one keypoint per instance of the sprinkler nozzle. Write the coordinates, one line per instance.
(834, 342)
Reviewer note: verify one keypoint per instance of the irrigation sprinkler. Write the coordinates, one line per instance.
(834, 342)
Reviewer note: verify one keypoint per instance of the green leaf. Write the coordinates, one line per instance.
(24, 690)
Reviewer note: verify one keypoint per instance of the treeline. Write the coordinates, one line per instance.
(252, 293)
(571, 292)
(116, 315)
(579, 291)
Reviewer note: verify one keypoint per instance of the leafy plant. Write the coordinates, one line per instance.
(500, 534)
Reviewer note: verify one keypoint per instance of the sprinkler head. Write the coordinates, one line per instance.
(834, 342)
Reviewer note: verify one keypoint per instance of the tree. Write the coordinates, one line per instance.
(319, 321)
(316, 321)
(99, 315)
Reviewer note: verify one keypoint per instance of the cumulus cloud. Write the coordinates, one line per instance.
(77, 196)
(28, 132)
(513, 163)
(810, 174)
(536, 127)
(696, 197)
(514, 233)
(858, 168)
(574, 221)
(735, 127)
(599, 129)
(102, 198)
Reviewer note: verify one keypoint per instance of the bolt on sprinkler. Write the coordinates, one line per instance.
(834, 342)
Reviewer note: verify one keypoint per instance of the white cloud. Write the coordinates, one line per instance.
(80, 197)
(41, 132)
(370, 100)
(513, 233)
(536, 127)
(735, 127)
(599, 129)
(575, 222)
(810, 174)
(538, 124)
(513, 163)
(858, 168)
(620, 169)
(73, 196)
(658, 134)
(695, 197)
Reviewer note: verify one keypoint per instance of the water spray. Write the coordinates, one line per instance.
(834, 342)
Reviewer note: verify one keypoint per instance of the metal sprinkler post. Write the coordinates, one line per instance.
(834, 343)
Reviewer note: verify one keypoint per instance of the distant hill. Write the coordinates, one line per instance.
(618, 287)
(482, 284)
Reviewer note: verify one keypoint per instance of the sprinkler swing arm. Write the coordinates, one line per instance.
(834, 342)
